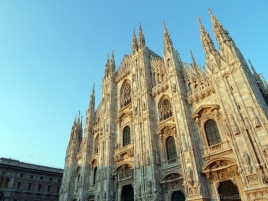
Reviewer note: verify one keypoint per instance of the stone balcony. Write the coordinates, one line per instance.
(124, 152)
(159, 88)
(216, 149)
(200, 92)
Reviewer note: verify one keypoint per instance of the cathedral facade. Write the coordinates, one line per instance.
(167, 130)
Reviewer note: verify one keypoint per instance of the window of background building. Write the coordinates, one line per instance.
(29, 186)
(48, 188)
(50, 179)
(5, 184)
(58, 180)
(41, 178)
(39, 187)
(31, 176)
(18, 185)
(21, 175)
(58, 189)
(1, 181)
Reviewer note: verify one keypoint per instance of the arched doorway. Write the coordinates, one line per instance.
(177, 196)
(228, 191)
(127, 193)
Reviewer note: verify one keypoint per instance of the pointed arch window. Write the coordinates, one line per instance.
(171, 148)
(126, 136)
(94, 175)
(165, 109)
(125, 95)
(212, 132)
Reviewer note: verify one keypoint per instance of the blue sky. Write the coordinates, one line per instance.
(52, 51)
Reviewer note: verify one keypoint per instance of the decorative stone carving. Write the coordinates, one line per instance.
(246, 161)
(135, 110)
(234, 125)
(166, 131)
(174, 87)
(184, 144)
(199, 83)
(104, 195)
(125, 95)
(265, 151)
(256, 119)
(257, 194)
(125, 173)
(165, 109)
(189, 176)
(175, 185)
(122, 152)
(149, 187)
(228, 130)
(252, 179)
(143, 105)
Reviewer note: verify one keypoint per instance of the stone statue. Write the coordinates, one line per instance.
(189, 176)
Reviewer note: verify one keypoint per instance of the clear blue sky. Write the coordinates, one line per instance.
(52, 51)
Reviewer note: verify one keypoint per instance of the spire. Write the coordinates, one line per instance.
(78, 120)
(252, 67)
(134, 43)
(168, 45)
(75, 119)
(141, 39)
(192, 56)
(112, 62)
(107, 61)
(92, 98)
(221, 34)
(208, 44)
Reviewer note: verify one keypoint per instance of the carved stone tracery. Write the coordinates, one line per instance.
(125, 94)
(166, 131)
(165, 109)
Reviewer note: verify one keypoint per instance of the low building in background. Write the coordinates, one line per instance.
(21, 181)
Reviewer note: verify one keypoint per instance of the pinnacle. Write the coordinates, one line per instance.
(199, 21)
(209, 11)
(193, 60)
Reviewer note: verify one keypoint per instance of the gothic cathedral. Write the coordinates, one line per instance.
(170, 131)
